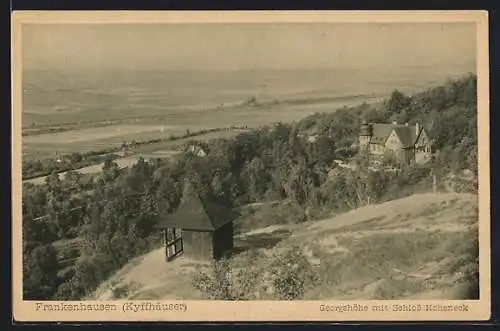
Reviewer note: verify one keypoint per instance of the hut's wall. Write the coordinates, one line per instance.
(197, 244)
(223, 240)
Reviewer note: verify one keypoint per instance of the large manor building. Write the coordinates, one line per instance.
(406, 143)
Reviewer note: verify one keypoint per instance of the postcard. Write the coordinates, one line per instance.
(250, 166)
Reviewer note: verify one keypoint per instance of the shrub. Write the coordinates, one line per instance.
(288, 277)
(120, 291)
(292, 275)
(221, 282)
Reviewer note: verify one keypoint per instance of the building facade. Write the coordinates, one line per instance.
(200, 229)
(403, 143)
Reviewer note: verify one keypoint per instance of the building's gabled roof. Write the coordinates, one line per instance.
(381, 132)
(198, 214)
(407, 134)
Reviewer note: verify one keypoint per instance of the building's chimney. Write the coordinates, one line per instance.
(417, 128)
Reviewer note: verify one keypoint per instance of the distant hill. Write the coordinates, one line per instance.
(62, 97)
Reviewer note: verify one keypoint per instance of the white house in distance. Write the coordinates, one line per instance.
(407, 143)
(196, 150)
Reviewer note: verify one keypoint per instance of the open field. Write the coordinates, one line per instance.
(166, 147)
(162, 149)
(87, 139)
(94, 139)
(418, 247)
(102, 109)
(93, 134)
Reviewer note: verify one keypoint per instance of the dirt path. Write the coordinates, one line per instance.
(151, 277)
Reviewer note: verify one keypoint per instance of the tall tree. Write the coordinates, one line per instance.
(256, 178)
(397, 102)
(110, 170)
(40, 279)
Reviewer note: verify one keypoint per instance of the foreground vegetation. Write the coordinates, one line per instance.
(104, 222)
(383, 253)
(424, 246)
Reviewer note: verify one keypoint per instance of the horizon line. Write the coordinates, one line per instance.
(472, 63)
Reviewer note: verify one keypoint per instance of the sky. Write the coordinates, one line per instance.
(69, 47)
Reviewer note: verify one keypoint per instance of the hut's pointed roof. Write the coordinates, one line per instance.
(198, 213)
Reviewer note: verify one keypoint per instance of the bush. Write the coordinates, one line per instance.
(121, 291)
(288, 277)
(70, 290)
(221, 282)
(292, 275)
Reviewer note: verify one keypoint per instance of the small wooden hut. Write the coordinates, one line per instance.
(200, 228)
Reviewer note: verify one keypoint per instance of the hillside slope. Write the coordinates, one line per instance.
(421, 247)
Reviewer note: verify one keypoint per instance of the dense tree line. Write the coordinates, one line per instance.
(113, 214)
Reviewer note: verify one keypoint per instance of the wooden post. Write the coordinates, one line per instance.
(434, 181)
(165, 243)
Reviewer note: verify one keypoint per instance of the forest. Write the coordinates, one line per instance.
(79, 230)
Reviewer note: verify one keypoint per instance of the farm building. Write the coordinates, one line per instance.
(200, 229)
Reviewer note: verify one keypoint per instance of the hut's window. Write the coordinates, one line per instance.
(174, 245)
(170, 234)
(177, 233)
(173, 234)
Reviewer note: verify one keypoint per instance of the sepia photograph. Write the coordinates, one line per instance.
(333, 160)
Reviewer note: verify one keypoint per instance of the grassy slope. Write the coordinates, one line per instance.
(414, 247)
